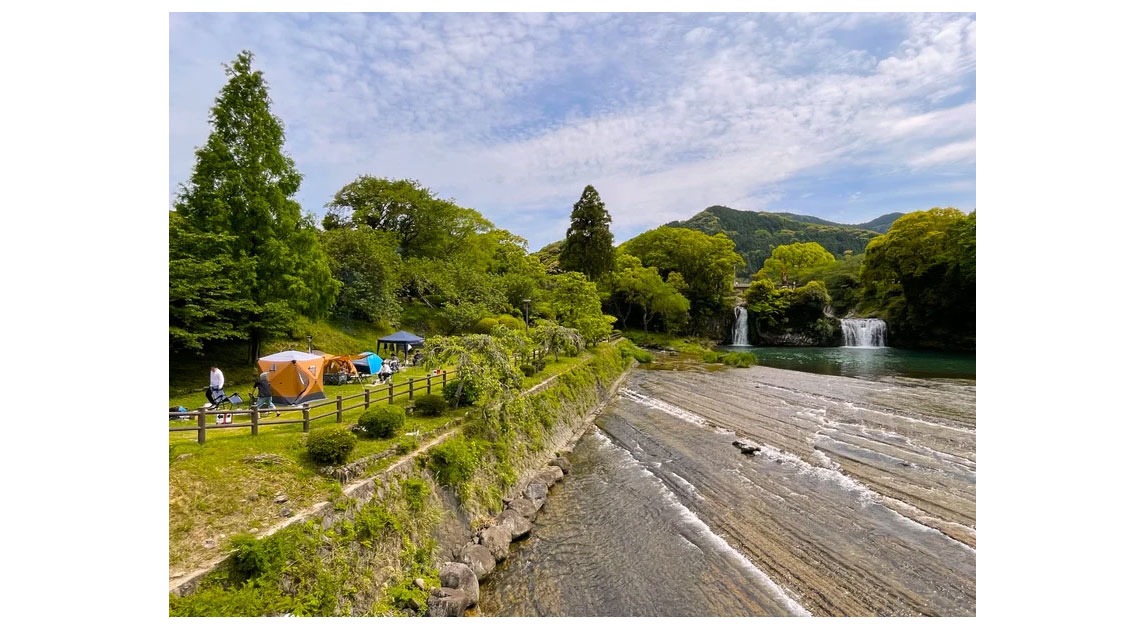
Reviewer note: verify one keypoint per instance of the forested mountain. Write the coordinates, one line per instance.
(756, 234)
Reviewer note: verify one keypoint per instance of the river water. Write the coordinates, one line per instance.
(860, 502)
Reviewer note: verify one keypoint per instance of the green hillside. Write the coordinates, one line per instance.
(757, 233)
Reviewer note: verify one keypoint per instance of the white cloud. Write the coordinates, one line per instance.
(664, 113)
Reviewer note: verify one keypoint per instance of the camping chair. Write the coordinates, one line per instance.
(221, 399)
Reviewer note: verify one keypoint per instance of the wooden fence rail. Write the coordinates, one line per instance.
(388, 391)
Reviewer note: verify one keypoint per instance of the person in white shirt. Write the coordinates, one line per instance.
(216, 390)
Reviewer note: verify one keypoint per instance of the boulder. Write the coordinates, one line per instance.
(447, 602)
(747, 447)
(537, 491)
(496, 539)
(479, 559)
(562, 463)
(518, 525)
(550, 475)
(524, 507)
(459, 576)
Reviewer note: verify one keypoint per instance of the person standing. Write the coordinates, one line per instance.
(265, 396)
(215, 393)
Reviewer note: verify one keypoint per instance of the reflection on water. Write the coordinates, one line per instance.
(865, 362)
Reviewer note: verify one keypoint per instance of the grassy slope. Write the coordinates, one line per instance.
(229, 485)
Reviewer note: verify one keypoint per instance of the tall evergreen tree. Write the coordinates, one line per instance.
(241, 188)
(588, 242)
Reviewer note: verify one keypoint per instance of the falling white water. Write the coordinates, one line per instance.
(864, 333)
(739, 338)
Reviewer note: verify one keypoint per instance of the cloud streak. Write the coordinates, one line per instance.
(665, 114)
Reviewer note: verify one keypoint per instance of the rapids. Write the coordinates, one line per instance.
(860, 502)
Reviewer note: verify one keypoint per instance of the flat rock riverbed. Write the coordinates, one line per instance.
(859, 501)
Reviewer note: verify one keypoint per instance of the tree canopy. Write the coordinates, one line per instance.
(922, 274)
(240, 189)
(787, 260)
(588, 242)
(705, 264)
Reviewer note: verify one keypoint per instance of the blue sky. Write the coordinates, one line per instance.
(837, 115)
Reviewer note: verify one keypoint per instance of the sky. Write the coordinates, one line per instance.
(842, 116)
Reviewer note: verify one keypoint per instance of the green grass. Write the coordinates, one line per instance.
(227, 486)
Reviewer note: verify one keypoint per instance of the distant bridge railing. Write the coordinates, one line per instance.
(387, 393)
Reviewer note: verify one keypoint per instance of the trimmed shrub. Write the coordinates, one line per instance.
(382, 421)
(528, 369)
(540, 364)
(430, 405)
(330, 445)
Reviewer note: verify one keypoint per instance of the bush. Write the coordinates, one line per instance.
(454, 461)
(407, 444)
(711, 357)
(382, 421)
(330, 445)
(540, 364)
(528, 369)
(738, 359)
(630, 350)
(468, 392)
(430, 405)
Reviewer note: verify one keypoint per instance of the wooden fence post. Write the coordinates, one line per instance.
(391, 392)
(367, 406)
(306, 417)
(338, 406)
(203, 424)
(254, 421)
(411, 389)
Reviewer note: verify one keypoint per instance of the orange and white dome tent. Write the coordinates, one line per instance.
(295, 377)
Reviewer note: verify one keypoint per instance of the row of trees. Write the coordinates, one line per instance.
(919, 277)
(246, 262)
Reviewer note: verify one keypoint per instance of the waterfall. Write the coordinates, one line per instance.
(864, 333)
(739, 337)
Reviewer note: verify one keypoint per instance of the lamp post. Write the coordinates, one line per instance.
(527, 313)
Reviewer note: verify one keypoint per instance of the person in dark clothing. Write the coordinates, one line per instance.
(265, 396)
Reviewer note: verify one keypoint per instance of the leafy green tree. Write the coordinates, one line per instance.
(482, 361)
(550, 337)
(788, 260)
(367, 265)
(781, 311)
(574, 302)
(241, 187)
(588, 241)
(705, 265)
(424, 225)
(205, 306)
(921, 273)
(642, 287)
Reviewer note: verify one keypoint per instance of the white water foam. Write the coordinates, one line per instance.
(789, 603)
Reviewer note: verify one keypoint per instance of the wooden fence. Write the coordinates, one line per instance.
(387, 393)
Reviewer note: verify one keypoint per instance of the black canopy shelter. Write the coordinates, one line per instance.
(401, 340)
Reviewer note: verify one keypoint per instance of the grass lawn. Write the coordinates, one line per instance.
(240, 483)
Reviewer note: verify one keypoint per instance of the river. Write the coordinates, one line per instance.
(860, 502)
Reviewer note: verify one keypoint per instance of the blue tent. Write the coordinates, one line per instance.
(368, 363)
(401, 340)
